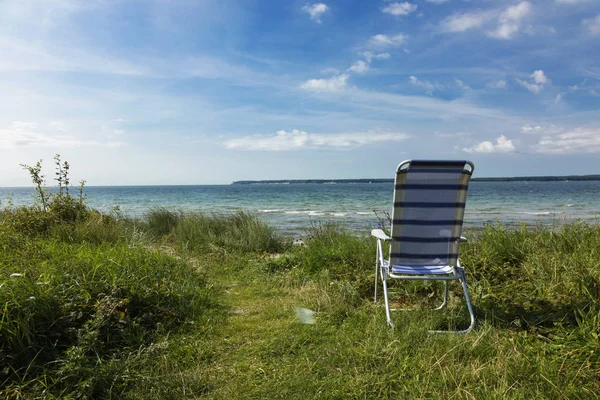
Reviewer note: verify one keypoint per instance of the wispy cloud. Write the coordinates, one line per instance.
(359, 67)
(463, 22)
(424, 106)
(428, 86)
(592, 25)
(536, 83)
(333, 84)
(21, 134)
(383, 41)
(316, 11)
(501, 84)
(503, 145)
(330, 71)
(462, 85)
(369, 56)
(298, 140)
(404, 8)
(20, 55)
(501, 23)
(578, 140)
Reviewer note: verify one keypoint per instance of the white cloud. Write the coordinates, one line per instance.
(592, 25)
(428, 86)
(531, 129)
(370, 56)
(359, 67)
(532, 87)
(297, 140)
(539, 80)
(539, 77)
(382, 41)
(516, 13)
(504, 31)
(400, 8)
(509, 20)
(501, 84)
(461, 84)
(462, 22)
(333, 84)
(578, 140)
(30, 134)
(503, 145)
(316, 11)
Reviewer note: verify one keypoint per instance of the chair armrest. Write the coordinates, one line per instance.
(380, 234)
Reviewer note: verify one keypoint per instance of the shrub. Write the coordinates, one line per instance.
(56, 207)
(90, 301)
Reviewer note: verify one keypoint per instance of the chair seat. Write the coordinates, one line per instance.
(422, 270)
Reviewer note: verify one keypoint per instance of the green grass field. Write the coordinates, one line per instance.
(177, 306)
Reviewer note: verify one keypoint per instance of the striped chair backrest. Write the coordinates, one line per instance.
(429, 205)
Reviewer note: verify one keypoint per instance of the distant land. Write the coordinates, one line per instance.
(507, 179)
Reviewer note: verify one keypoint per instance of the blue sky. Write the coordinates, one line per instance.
(203, 92)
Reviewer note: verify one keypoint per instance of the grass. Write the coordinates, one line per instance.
(99, 312)
(547, 349)
(81, 304)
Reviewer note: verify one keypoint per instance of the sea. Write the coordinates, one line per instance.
(293, 208)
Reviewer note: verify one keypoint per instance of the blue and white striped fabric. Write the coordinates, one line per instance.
(429, 205)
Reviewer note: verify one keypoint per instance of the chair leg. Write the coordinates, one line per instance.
(376, 274)
(445, 296)
(387, 302)
(463, 281)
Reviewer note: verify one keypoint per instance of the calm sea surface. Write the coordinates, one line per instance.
(293, 207)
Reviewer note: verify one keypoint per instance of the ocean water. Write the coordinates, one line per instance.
(291, 208)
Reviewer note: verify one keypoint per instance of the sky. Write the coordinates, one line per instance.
(143, 92)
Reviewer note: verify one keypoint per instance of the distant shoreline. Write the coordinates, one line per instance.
(506, 179)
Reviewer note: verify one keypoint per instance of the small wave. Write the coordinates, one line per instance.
(339, 214)
(363, 213)
(270, 211)
(570, 205)
(537, 213)
(308, 212)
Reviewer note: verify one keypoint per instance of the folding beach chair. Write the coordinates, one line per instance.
(429, 204)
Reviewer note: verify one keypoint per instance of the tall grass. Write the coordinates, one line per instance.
(220, 233)
(539, 277)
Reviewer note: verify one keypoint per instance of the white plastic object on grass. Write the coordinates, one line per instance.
(305, 315)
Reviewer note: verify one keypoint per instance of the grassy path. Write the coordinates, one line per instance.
(260, 321)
